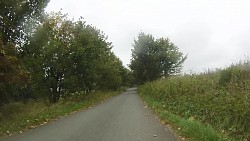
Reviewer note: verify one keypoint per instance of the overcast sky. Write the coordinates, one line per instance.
(214, 33)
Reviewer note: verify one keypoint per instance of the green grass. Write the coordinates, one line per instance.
(220, 99)
(17, 117)
(188, 128)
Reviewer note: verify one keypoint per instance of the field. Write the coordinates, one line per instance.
(220, 99)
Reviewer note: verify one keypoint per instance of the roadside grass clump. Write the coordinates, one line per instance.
(190, 128)
(18, 116)
(220, 99)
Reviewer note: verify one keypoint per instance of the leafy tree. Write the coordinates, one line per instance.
(154, 58)
(127, 77)
(109, 71)
(88, 50)
(15, 14)
(65, 56)
(14, 78)
(46, 55)
(170, 57)
(57, 55)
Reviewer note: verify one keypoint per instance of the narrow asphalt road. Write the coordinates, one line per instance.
(122, 118)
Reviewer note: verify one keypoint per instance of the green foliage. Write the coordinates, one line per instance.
(110, 74)
(127, 77)
(15, 14)
(49, 56)
(220, 98)
(14, 78)
(65, 56)
(188, 128)
(154, 58)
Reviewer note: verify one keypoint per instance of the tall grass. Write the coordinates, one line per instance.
(220, 98)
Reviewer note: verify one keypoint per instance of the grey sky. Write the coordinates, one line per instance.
(214, 33)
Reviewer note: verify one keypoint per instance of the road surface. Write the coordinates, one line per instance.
(122, 118)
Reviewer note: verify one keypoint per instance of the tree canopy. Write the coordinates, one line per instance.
(59, 57)
(154, 58)
(14, 18)
(14, 15)
(65, 56)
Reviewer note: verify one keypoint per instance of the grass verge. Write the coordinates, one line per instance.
(189, 129)
(18, 117)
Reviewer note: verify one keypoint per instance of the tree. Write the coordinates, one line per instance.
(127, 77)
(170, 57)
(46, 55)
(154, 58)
(14, 14)
(110, 77)
(65, 56)
(14, 78)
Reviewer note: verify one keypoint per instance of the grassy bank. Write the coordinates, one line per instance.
(220, 99)
(17, 117)
(189, 129)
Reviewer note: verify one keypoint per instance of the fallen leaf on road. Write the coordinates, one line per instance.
(32, 127)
